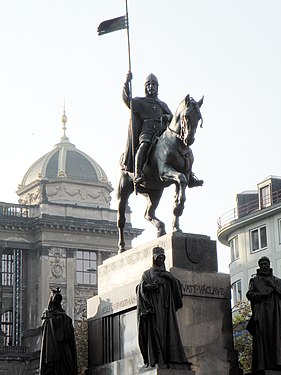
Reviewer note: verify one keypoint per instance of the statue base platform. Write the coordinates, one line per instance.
(266, 372)
(169, 372)
(123, 367)
(205, 320)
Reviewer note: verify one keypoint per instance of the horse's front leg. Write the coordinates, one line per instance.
(153, 199)
(179, 179)
(175, 223)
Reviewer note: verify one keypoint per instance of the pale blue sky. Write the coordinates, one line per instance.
(227, 50)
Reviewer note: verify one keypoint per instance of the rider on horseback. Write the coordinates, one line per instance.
(151, 117)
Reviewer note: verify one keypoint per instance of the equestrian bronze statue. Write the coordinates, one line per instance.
(158, 154)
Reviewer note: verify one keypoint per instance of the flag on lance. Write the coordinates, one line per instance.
(113, 24)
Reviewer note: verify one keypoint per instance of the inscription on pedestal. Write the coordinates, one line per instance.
(203, 290)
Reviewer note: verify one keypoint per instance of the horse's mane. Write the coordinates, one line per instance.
(179, 110)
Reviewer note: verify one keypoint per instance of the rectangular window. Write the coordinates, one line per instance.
(86, 271)
(236, 291)
(265, 196)
(7, 326)
(258, 238)
(7, 269)
(279, 230)
(234, 249)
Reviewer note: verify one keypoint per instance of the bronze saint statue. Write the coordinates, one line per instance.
(58, 349)
(159, 296)
(265, 323)
(167, 140)
(150, 117)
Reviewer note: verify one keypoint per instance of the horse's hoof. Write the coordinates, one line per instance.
(178, 211)
(161, 232)
(122, 249)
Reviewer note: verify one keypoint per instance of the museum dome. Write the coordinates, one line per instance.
(65, 161)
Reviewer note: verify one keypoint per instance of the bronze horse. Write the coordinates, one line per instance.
(170, 162)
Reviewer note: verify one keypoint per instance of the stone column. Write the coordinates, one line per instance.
(43, 282)
(70, 277)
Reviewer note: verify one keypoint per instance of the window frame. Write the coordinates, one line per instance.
(279, 230)
(86, 267)
(265, 199)
(236, 291)
(7, 270)
(234, 248)
(6, 323)
(259, 238)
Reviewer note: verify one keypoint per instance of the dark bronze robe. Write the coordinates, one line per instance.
(265, 322)
(159, 336)
(58, 350)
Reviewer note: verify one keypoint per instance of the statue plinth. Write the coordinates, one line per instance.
(205, 319)
(266, 372)
(192, 252)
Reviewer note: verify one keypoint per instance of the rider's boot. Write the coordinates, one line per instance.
(194, 181)
(139, 162)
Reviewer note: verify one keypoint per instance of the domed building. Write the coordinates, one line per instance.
(60, 232)
(66, 176)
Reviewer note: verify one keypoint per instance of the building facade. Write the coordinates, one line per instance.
(253, 230)
(61, 230)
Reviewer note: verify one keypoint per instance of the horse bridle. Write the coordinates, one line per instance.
(184, 122)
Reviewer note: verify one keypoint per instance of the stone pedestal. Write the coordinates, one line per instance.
(267, 372)
(204, 321)
(168, 372)
(120, 368)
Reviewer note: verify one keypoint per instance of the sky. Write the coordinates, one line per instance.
(229, 51)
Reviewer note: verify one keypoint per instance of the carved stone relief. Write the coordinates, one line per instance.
(57, 251)
(33, 197)
(80, 304)
(57, 261)
(79, 193)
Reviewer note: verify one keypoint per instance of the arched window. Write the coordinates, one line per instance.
(7, 327)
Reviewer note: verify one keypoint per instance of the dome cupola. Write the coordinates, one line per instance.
(65, 175)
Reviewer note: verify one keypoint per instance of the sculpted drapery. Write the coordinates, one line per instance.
(265, 323)
(58, 350)
(159, 296)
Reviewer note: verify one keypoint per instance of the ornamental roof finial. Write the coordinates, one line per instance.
(64, 121)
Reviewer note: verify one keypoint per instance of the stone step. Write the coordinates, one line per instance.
(165, 372)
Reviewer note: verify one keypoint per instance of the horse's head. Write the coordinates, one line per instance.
(187, 117)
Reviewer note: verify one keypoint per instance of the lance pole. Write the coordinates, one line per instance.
(128, 36)
(130, 86)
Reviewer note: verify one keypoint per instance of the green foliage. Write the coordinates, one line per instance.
(242, 338)
(81, 336)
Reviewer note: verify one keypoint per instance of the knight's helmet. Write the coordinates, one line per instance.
(151, 78)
